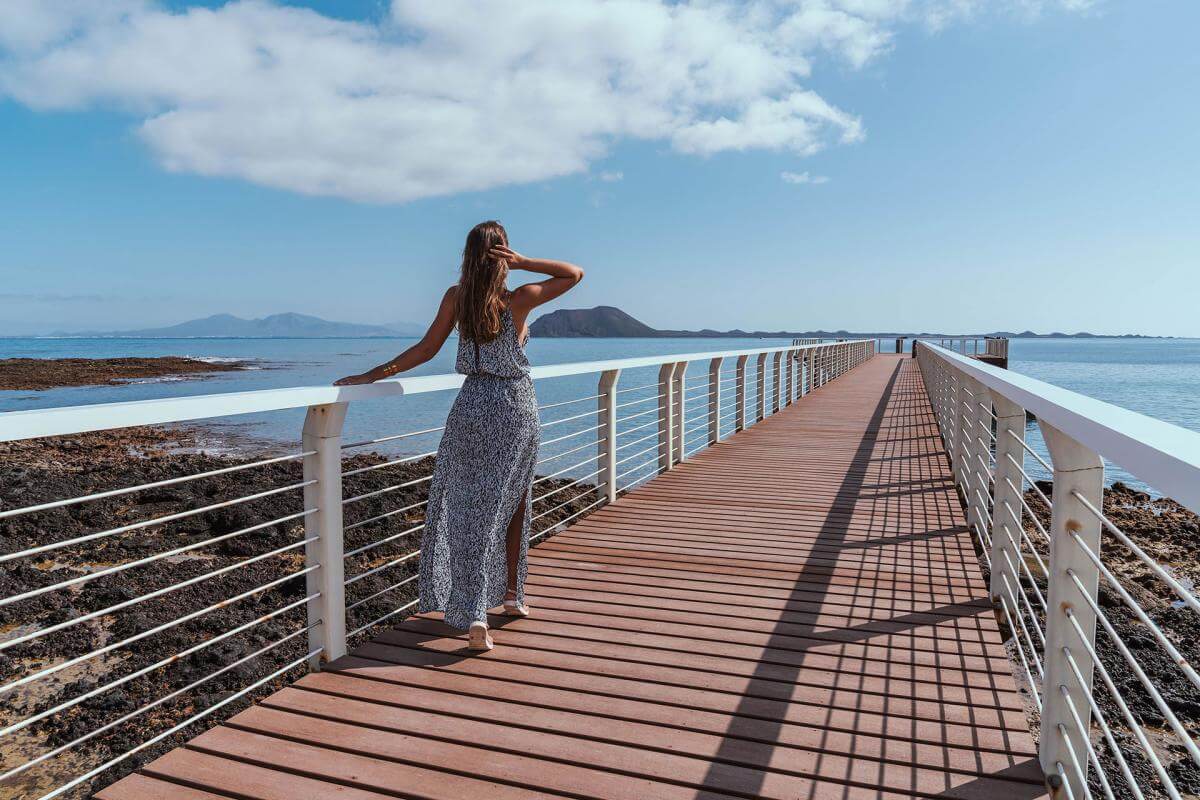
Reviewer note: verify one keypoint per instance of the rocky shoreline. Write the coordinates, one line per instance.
(46, 470)
(39, 374)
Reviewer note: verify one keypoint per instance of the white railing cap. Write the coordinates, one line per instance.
(69, 420)
(1162, 455)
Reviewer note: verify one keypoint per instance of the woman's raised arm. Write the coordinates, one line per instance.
(563, 277)
(419, 353)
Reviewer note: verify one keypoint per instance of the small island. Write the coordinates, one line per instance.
(39, 374)
(612, 322)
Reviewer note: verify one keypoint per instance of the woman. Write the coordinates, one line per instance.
(473, 550)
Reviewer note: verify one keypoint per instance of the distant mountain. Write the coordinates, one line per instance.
(598, 321)
(607, 321)
(290, 325)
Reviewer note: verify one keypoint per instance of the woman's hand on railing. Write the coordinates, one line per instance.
(355, 380)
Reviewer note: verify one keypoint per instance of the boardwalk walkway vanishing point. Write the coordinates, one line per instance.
(797, 612)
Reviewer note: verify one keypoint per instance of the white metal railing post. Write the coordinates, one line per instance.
(1078, 472)
(714, 400)
(606, 434)
(1006, 496)
(804, 371)
(739, 397)
(952, 406)
(666, 416)
(777, 389)
(979, 491)
(789, 396)
(322, 435)
(680, 417)
(966, 433)
(760, 388)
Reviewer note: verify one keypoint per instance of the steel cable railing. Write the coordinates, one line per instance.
(95, 496)
(1096, 618)
(121, 606)
(150, 523)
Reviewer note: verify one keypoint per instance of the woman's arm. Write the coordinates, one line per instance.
(419, 353)
(563, 278)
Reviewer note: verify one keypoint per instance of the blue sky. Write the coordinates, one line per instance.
(969, 167)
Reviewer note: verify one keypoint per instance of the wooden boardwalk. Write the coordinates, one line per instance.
(794, 613)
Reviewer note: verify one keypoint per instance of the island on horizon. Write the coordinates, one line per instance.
(612, 322)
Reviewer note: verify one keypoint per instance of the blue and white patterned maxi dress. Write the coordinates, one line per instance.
(484, 469)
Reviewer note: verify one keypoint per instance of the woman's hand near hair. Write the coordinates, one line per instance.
(416, 355)
(511, 258)
(555, 269)
(563, 278)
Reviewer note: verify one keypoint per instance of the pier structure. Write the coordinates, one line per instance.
(811, 571)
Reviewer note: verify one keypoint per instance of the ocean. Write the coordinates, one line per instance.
(1158, 377)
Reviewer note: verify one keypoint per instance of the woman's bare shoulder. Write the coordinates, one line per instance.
(524, 295)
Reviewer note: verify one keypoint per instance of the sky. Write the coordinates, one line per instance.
(869, 165)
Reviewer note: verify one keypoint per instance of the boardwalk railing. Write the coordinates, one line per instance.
(593, 447)
(1047, 569)
(972, 345)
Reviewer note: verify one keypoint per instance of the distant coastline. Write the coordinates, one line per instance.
(39, 374)
(612, 322)
(606, 322)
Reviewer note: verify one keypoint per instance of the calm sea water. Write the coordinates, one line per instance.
(1158, 377)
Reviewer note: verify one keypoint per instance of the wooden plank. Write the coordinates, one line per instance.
(871, 697)
(795, 612)
(686, 732)
(145, 787)
(673, 705)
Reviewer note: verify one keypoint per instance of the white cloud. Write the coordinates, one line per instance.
(803, 177)
(611, 177)
(455, 95)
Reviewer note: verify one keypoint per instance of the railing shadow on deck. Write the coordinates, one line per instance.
(814, 576)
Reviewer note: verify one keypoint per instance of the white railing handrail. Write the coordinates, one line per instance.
(1162, 455)
(71, 420)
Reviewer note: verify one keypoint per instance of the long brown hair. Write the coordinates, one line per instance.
(479, 302)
